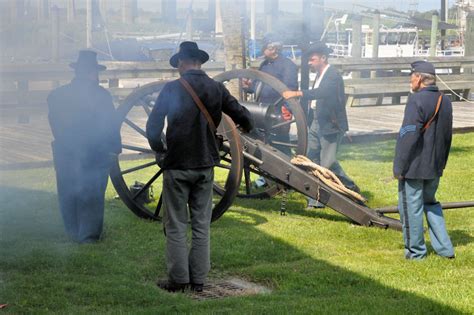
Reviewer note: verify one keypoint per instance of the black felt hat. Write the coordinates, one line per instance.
(188, 50)
(319, 48)
(422, 66)
(87, 60)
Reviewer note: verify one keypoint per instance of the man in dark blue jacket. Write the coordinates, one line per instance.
(86, 132)
(420, 157)
(329, 119)
(192, 153)
(284, 70)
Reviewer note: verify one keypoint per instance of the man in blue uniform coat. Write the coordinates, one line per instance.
(284, 70)
(86, 137)
(420, 157)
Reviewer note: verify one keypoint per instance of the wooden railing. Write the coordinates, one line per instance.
(24, 84)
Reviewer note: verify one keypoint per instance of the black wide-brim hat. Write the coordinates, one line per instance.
(188, 50)
(87, 61)
(318, 48)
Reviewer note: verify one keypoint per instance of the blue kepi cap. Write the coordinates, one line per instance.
(423, 67)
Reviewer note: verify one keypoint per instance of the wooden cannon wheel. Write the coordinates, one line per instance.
(135, 172)
(298, 136)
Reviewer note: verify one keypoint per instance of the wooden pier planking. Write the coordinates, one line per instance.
(30, 143)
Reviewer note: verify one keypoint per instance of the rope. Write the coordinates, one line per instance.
(452, 91)
(326, 176)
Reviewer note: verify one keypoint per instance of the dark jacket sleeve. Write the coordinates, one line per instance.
(290, 76)
(156, 122)
(409, 135)
(239, 114)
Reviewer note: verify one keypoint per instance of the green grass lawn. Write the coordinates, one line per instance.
(313, 261)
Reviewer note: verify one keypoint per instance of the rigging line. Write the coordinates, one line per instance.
(189, 12)
(452, 91)
(78, 41)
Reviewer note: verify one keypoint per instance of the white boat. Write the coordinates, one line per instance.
(393, 42)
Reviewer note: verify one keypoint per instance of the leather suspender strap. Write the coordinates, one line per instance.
(427, 125)
(199, 104)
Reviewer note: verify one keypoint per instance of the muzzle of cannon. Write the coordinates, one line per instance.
(264, 115)
(248, 156)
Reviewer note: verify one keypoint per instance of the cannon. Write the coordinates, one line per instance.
(242, 155)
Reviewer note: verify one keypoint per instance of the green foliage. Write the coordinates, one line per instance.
(314, 261)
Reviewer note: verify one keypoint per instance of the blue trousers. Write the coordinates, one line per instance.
(81, 190)
(415, 197)
(187, 194)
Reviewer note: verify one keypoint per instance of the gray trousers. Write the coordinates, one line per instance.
(415, 197)
(182, 190)
(322, 150)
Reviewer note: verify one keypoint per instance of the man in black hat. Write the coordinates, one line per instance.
(86, 135)
(329, 114)
(189, 159)
(284, 70)
(420, 157)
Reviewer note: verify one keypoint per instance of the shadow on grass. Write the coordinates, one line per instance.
(301, 283)
(460, 149)
(460, 237)
(117, 275)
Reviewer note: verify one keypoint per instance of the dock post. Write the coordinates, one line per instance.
(434, 33)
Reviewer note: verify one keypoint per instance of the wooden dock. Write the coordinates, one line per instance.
(25, 136)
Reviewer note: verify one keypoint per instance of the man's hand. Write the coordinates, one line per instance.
(291, 94)
(285, 113)
(399, 177)
(246, 83)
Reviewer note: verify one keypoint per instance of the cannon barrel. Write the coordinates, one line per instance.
(263, 114)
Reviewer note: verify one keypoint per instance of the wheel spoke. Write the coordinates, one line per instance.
(148, 184)
(135, 148)
(278, 101)
(224, 166)
(284, 123)
(145, 106)
(135, 127)
(136, 168)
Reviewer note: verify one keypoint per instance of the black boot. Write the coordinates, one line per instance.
(197, 287)
(171, 286)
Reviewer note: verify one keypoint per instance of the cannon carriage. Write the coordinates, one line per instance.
(244, 157)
